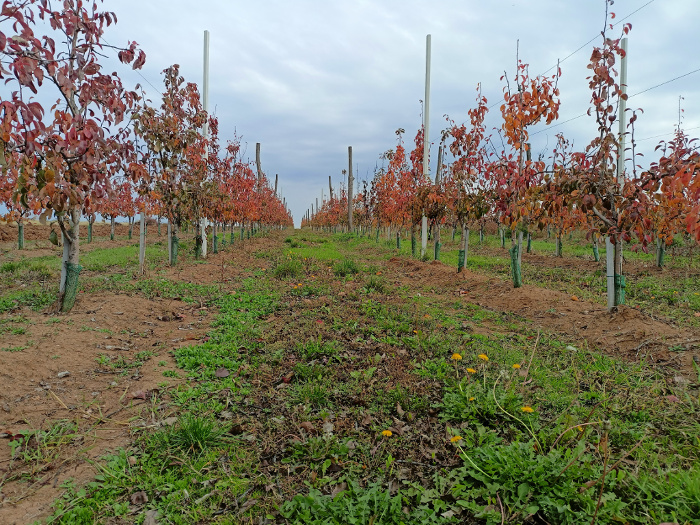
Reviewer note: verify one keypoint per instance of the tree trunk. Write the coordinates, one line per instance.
(132, 220)
(111, 232)
(464, 249)
(197, 239)
(142, 244)
(174, 243)
(70, 269)
(437, 241)
(596, 252)
(520, 249)
(20, 235)
(660, 252)
(619, 278)
(168, 236)
(559, 248)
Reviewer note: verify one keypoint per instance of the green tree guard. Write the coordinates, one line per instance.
(377, 239)
(215, 244)
(71, 289)
(460, 261)
(660, 253)
(131, 227)
(438, 245)
(515, 267)
(248, 234)
(529, 243)
(20, 236)
(481, 235)
(620, 285)
(223, 241)
(174, 244)
(398, 240)
(454, 232)
(233, 236)
(159, 228)
(242, 233)
(413, 244)
(503, 238)
(89, 232)
(596, 253)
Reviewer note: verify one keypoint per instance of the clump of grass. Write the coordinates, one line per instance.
(346, 267)
(194, 433)
(288, 268)
(313, 393)
(374, 284)
(34, 298)
(10, 267)
(317, 348)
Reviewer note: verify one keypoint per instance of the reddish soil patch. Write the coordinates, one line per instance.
(97, 395)
(628, 333)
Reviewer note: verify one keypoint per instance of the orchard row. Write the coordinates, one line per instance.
(103, 148)
(477, 182)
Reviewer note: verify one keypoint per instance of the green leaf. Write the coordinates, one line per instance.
(523, 490)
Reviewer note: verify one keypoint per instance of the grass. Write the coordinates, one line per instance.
(672, 293)
(352, 407)
(286, 268)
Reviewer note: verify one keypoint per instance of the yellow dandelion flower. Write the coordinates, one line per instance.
(580, 429)
(386, 433)
(456, 357)
(471, 370)
(455, 439)
(516, 366)
(472, 398)
(529, 410)
(483, 357)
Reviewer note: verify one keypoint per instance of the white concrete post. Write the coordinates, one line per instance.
(426, 140)
(205, 106)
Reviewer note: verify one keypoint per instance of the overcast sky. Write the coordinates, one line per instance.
(308, 78)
